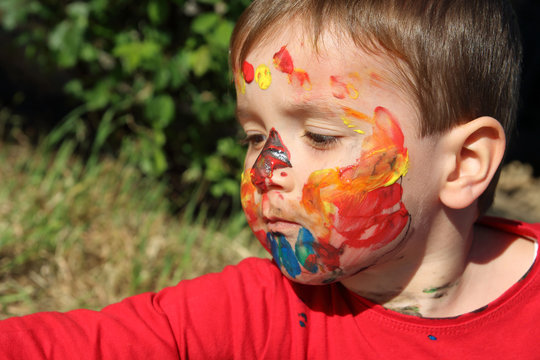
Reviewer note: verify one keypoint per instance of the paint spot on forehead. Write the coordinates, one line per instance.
(248, 72)
(297, 77)
(300, 78)
(283, 61)
(263, 76)
(341, 89)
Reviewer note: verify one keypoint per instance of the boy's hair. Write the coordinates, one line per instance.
(460, 59)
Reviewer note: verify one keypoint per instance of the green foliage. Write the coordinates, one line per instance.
(149, 76)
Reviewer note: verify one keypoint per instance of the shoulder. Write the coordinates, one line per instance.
(529, 230)
(244, 279)
(503, 253)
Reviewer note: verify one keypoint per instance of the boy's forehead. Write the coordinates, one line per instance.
(340, 74)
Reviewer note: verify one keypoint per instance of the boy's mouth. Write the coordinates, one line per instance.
(282, 226)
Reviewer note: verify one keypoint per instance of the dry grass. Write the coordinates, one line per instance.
(518, 193)
(72, 237)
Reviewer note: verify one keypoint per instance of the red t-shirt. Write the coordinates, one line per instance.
(250, 311)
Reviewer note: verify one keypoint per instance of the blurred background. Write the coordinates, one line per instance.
(119, 159)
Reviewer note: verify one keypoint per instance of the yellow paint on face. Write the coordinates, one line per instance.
(240, 83)
(263, 76)
(351, 126)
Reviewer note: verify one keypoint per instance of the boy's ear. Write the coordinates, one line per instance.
(472, 154)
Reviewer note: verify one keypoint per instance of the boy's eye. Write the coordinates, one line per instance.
(320, 141)
(253, 140)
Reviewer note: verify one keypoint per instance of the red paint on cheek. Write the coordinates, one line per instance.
(373, 219)
(248, 72)
(283, 61)
(283, 174)
(362, 202)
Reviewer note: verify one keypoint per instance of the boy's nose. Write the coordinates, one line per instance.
(273, 156)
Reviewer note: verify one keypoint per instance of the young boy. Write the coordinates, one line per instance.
(375, 131)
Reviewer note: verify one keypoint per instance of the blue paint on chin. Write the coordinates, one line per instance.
(304, 250)
(283, 254)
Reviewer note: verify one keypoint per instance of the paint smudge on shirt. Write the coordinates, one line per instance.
(263, 76)
(303, 322)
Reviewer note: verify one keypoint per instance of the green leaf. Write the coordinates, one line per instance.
(66, 40)
(160, 111)
(74, 87)
(78, 10)
(99, 96)
(152, 158)
(222, 34)
(201, 60)
(158, 10)
(133, 53)
(204, 23)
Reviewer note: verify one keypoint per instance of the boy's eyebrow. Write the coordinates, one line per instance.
(314, 108)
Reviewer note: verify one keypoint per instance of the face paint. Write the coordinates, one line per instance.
(284, 63)
(344, 214)
(340, 89)
(300, 78)
(362, 202)
(240, 82)
(263, 76)
(248, 72)
(274, 155)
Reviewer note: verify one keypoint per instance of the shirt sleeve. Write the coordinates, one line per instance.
(211, 317)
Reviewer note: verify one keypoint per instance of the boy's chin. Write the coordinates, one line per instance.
(307, 278)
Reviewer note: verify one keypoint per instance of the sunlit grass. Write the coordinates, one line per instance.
(75, 237)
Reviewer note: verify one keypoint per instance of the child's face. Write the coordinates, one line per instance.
(322, 186)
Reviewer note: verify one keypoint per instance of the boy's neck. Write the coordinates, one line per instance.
(453, 273)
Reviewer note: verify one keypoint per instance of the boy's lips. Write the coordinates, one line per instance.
(283, 226)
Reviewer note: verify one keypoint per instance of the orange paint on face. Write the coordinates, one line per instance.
(251, 206)
(362, 202)
(350, 210)
(342, 89)
(300, 78)
(284, 63)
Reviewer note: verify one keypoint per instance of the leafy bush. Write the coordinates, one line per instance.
(149, 77)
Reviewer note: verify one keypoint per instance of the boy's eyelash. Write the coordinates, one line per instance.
(320, 141)
(253, 139)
